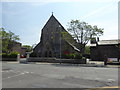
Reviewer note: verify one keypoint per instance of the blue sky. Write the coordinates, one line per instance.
(26, 18)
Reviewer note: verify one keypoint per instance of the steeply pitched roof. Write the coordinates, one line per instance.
(107, 42)
(52, 17)
(73, 47)
(51, 20)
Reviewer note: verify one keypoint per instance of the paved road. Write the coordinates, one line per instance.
(15, 75)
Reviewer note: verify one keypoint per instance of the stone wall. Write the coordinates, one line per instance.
(54, 60)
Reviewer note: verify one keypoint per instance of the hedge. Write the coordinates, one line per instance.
(72, 56)
(11, 55)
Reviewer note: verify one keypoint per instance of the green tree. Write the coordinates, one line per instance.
(87, 49)
(29, 48)
(82, 32)
(8, 39)
(4, 39)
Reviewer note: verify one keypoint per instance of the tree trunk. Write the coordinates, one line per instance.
(82, 48)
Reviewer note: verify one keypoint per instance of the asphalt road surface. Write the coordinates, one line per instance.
(15, 75)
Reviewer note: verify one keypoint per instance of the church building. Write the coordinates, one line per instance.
(53, 43)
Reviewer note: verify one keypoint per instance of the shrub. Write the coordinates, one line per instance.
(15, 53)
(71, 56)
(68, 56)
(78, 56)
(11, 55)
(4, 55)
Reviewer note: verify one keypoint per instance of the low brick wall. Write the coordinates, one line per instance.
(9, 59)
(37, 59)
(54, 60)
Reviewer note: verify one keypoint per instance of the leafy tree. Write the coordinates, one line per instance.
(87, 49)
(3, 39)
(29, 48)
(8, 39)
(82, 32)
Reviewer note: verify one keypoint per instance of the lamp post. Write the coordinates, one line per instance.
(60, 43)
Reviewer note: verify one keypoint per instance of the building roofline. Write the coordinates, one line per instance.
(107, 42)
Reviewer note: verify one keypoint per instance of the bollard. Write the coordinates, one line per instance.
(105, 60)
(18, 57)
(87, 61)
(28, 55)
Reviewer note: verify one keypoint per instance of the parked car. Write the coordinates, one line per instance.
(22, 56)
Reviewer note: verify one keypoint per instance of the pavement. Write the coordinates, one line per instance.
(89, 64)
(102, 64)
(51, 75)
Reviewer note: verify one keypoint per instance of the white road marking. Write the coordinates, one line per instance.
(14, 76)
(97, 78)
(26, 72)
(111, 80)
(22, 73)
(16, 72)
